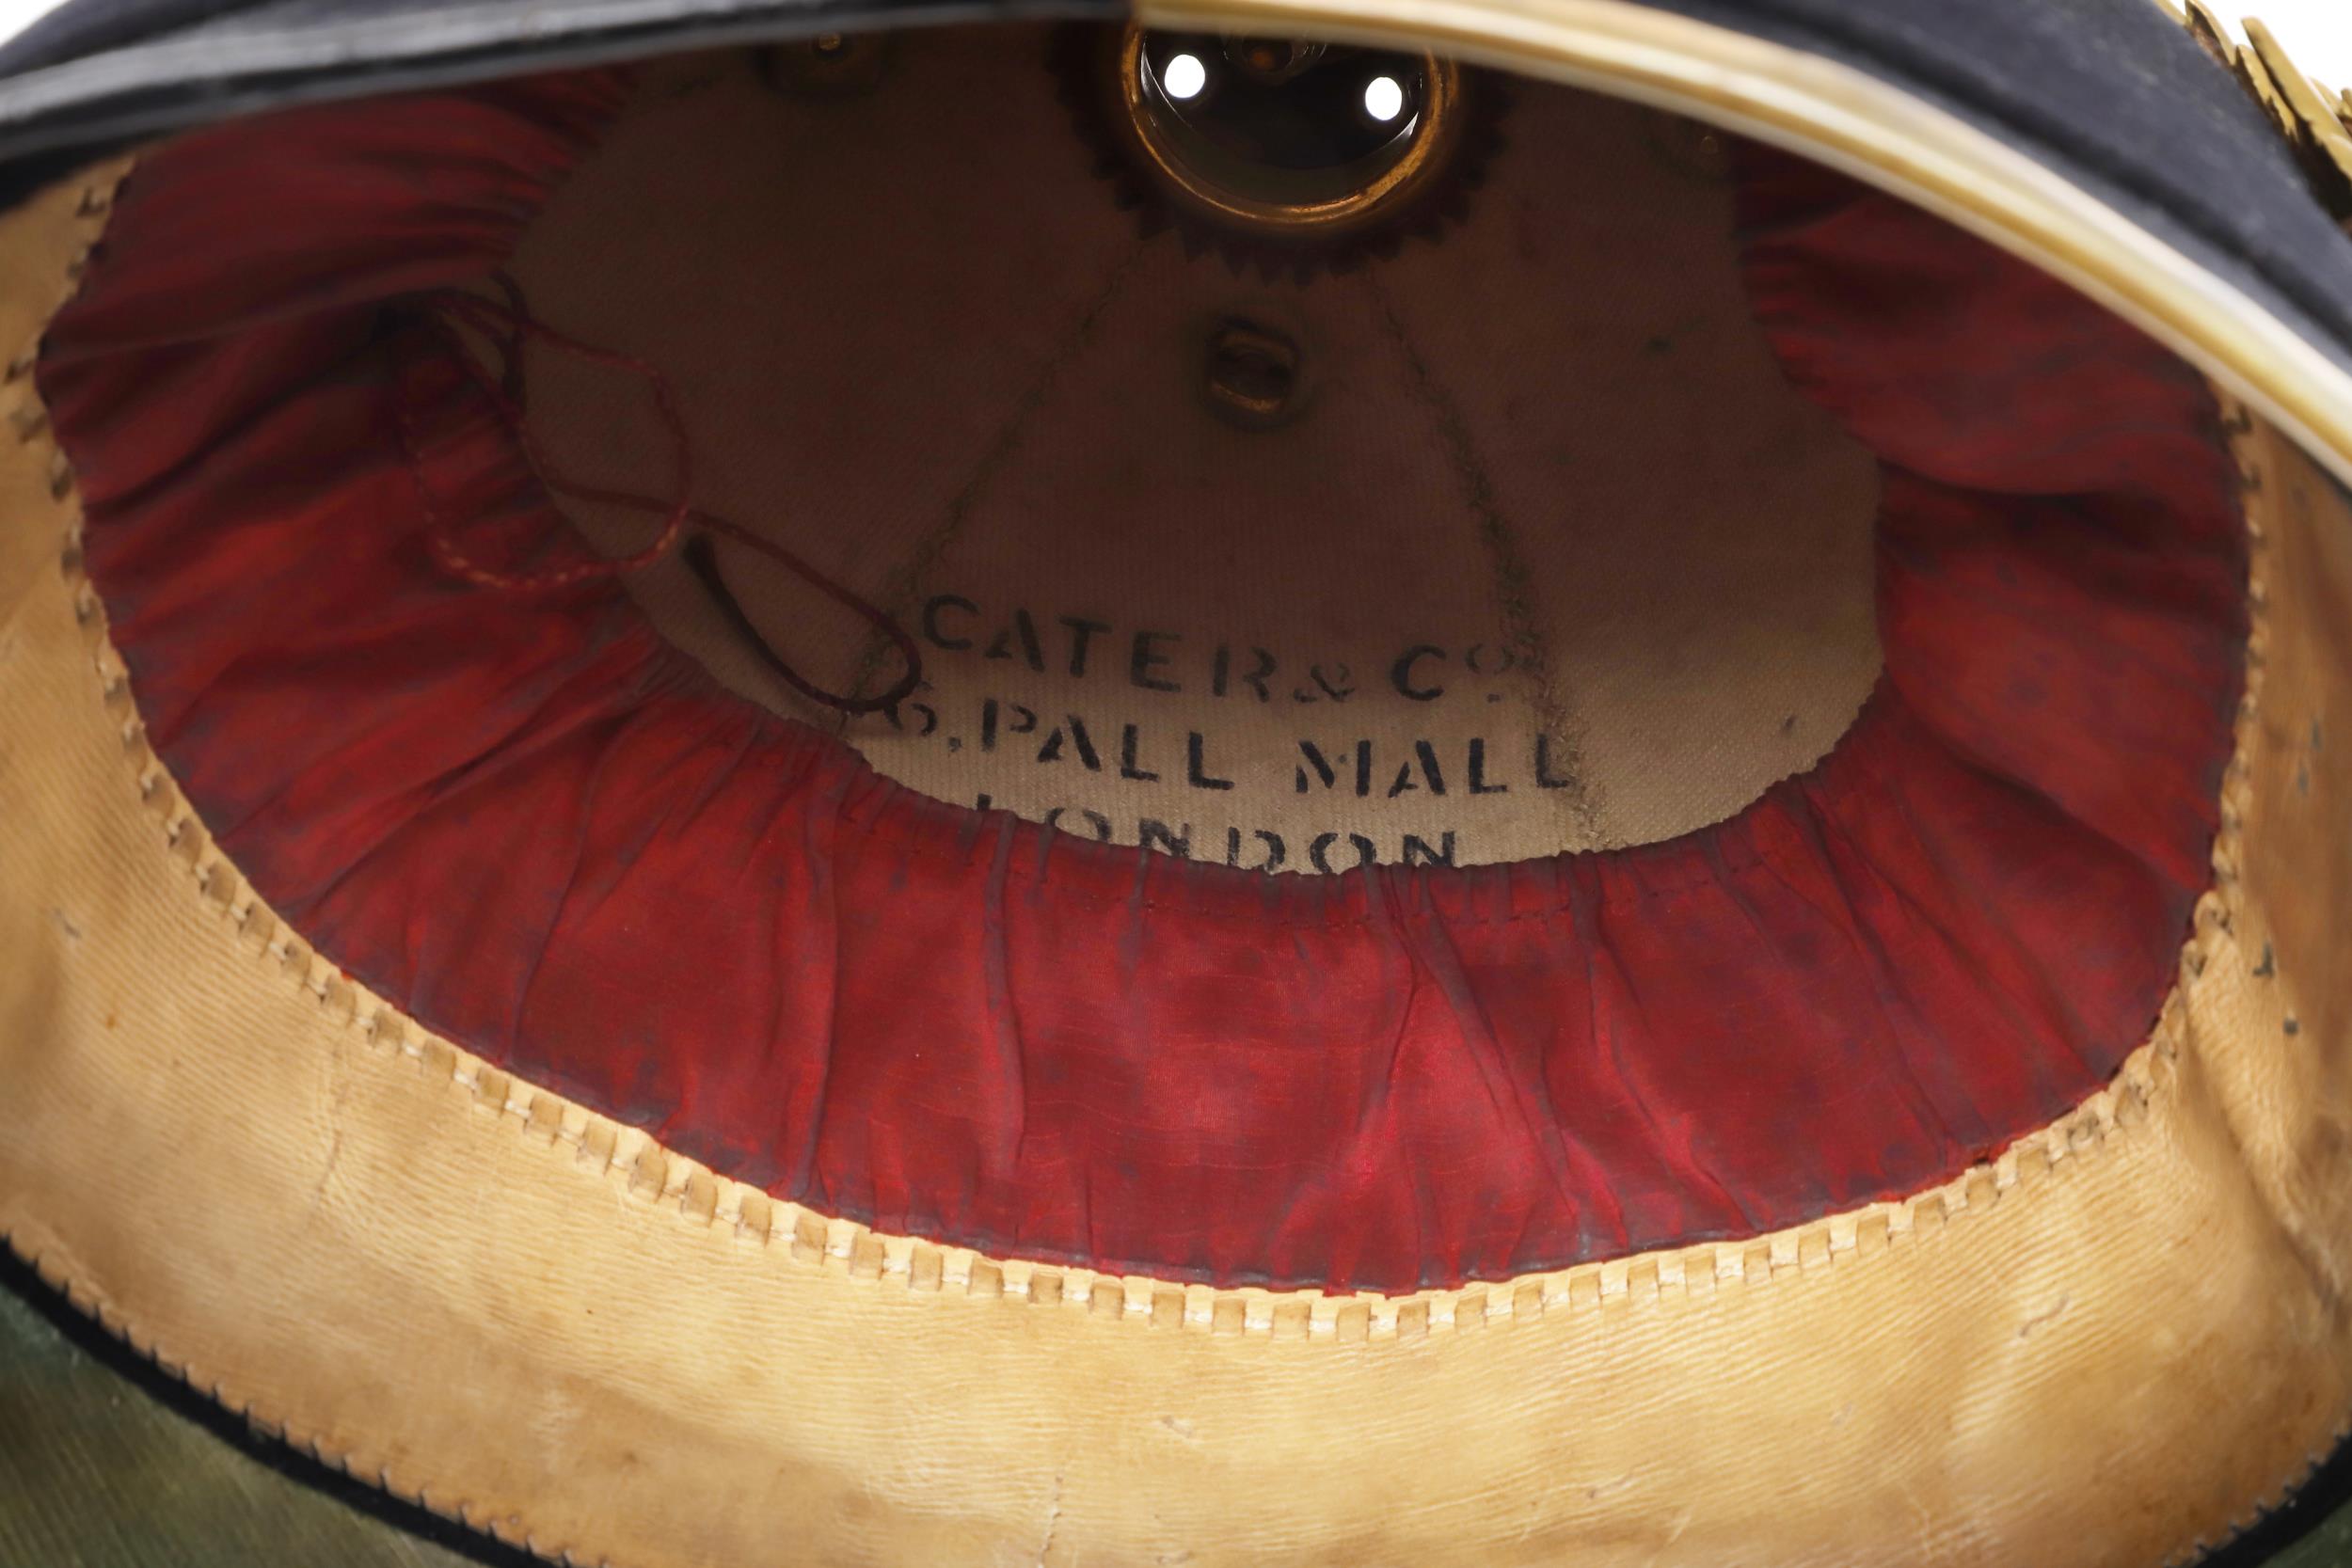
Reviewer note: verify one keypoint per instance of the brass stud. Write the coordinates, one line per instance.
(831, 65)
(1254, 376)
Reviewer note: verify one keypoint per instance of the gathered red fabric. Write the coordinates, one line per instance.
(548, 834)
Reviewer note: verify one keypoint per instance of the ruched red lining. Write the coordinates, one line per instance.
(545, 833)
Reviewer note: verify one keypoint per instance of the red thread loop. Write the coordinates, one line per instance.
(509, 323)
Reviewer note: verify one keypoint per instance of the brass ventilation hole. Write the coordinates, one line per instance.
(1287, 151)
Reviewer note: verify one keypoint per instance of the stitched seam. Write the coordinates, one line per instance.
(655, 1174)
(2203, 1547)
(26, 417)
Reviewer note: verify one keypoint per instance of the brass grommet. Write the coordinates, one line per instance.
(1287, 152)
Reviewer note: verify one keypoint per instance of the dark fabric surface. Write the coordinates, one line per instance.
(2112, 94)
(2112, 88)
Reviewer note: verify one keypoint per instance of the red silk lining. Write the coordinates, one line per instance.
(546, 834)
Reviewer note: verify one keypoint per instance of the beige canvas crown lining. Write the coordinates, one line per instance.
(2109, 1350)
(1674, 583)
